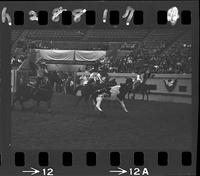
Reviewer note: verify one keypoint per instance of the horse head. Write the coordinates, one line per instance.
(129, 82)
(128, 85)
(113, 82)
(47, 84)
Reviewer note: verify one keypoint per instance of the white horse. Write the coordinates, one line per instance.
(117, 92)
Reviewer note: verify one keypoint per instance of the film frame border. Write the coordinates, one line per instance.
(148, 154)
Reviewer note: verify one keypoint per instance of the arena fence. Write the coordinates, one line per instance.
(164, 87)
(175, 88)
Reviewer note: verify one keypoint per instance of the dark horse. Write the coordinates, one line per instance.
(55, 78)
(28, 91)
(88, 91)
(141, 88)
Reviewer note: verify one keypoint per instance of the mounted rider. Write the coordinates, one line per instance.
(106, 84)
(83, 81)
(42, 72)
(101, 79)
(145, 75)
(140, 79)
(95, 75)
(85, 77)
(137, 80)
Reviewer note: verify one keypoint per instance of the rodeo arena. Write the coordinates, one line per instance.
(101, 89)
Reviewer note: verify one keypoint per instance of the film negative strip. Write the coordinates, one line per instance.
(99, 88)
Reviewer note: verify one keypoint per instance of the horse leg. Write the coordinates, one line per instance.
(143, 94)
(21, 104)
(78, 101)
(133, 95)
(65, 91)
(129, 95)
(49, 106)
(13, 102)
(37, 104)
(147, 95)
(93, 100)
(99, 100)
(123, 105)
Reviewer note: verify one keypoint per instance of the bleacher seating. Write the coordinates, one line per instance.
(158, 40)
(90, 35)
(163, 34)
(183, 44)
(67, 45)
(15, 35)
(162, 50)
(56, 35)
(115, 35)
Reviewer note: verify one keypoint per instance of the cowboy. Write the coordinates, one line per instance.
(84, 78)
(41, 73)
(83, 81)
(105, 82)
(144, 76)
(96, 76)
(137, 80)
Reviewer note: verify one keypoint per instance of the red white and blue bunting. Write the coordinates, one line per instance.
(170, 84)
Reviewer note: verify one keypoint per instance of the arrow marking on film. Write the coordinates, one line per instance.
(120, 171)
(33, 171)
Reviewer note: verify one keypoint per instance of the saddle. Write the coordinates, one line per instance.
(104, 89)
(41, 85)
(31, 84)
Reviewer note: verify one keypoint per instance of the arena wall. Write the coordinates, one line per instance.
(181, 93)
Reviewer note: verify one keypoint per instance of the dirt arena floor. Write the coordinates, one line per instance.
(147, 125)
